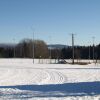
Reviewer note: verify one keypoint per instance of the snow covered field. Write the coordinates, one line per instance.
(23, 80)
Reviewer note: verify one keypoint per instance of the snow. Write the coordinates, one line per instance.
(23, 80)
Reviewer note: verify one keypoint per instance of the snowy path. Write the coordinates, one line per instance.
(20, 79)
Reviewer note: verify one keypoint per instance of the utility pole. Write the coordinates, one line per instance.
(33, 47)
(50, 55)
(89, 54)
(72, 48)
(50, 50)
(93, 48)
(14, 47)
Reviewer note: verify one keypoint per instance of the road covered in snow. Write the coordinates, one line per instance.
(21, 79)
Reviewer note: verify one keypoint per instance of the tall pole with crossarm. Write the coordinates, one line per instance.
(72, 48)
(14, 47)
(50, 57)
(89, 54)
(93, 48)
(33, 47)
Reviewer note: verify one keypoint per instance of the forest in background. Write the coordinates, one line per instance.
(27, 48)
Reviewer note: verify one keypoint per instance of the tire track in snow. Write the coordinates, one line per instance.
(26, 76)
(41, 76)
(45, 76)
(55, 77)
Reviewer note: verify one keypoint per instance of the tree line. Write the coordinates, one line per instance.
(24, 49)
